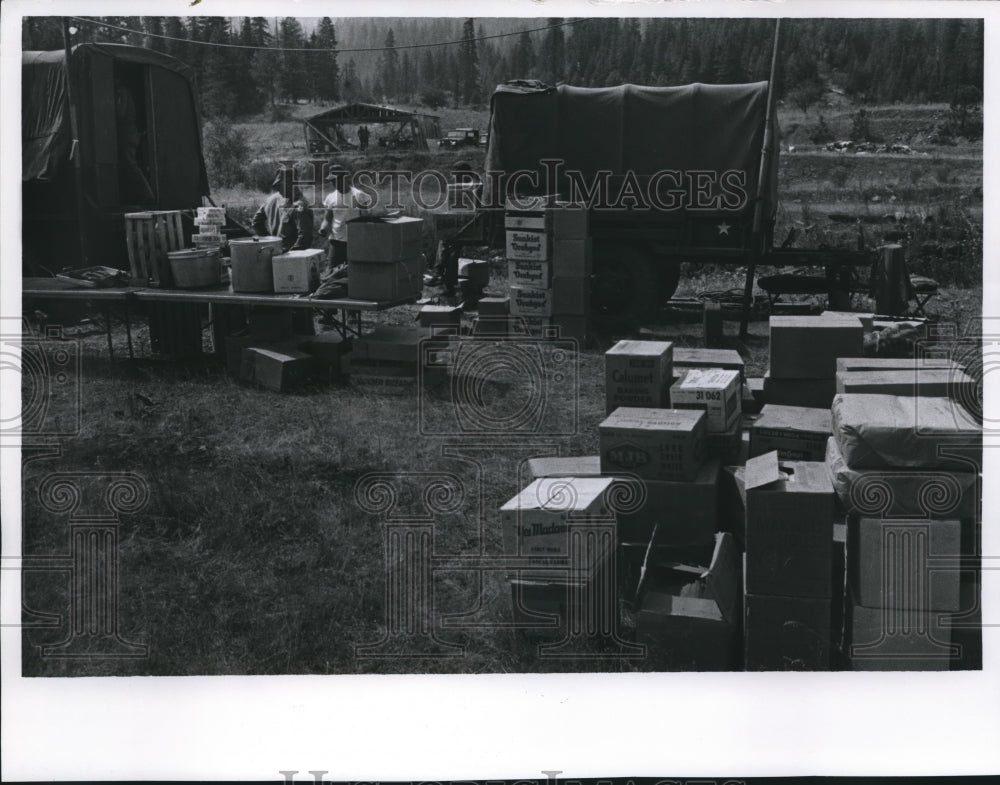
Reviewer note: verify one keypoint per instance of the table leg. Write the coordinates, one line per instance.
(128, 329)
(107, 327)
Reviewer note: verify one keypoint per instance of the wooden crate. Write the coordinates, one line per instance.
(149, 236)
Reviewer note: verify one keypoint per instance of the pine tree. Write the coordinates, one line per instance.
(554, 53)
(176, 32)
(468, 58)
(325, 63)
(153, 26)
(293, 78)
(352, 85)
(524, 57)
(387, 75)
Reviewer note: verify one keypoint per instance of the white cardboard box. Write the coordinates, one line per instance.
(527, 245)
(541, 522)
(716, 390)
(297, 271)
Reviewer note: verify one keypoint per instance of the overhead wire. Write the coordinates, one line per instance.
(160, 36)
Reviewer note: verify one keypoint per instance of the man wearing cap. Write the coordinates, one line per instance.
(285, 214)
(344, 203)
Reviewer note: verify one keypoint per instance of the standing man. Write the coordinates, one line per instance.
(285, 214)
(363, 137)
(344, 203)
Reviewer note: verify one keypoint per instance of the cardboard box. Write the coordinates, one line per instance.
(689, 618)
(935, 382)
(525, 301)
(387, 239)
(540, 523)
(797, 432)
(328, 350)
(727, 446)
(571, 296)
(867, 319)
(490, 326)
(572, 466)
(811, 393)
(529, 272)
(714, 390)
(638, 373)
(787, 633)
(838, 594)
(807, 347)
(687, 511)
(476, 270)
(572, 258)
(544, 604)
(494, 306)
(572, 326)
(383, 281)
(880, 639)
(391, 343)
(686, 357)
(887, 563)
(653, 444)
(270, 324)
(564, 221)
(276, 369)
(527, 245)
(297, 272)
(789, 525)
(440, 316)
(895, 364)
(901, 493)
(886, 431)
(535, 326)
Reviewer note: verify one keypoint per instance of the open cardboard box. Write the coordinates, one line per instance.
(689, 616)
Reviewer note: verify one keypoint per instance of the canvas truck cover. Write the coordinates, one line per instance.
(630, 128)
(45, 121)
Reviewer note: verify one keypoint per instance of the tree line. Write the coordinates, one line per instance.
(869, 60)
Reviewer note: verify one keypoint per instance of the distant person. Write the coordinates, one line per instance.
(363, 135)
(135, 188)
(285, 214)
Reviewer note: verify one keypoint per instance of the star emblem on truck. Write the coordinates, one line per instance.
(724, 229)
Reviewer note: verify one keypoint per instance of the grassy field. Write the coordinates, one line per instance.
(258, 551)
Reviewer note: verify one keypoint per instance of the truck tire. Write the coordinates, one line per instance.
(624, 291)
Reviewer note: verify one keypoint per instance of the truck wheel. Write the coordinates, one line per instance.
(624, 291)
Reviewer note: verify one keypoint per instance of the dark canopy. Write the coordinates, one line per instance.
(630, 128)
(324, 134)
(45, 122)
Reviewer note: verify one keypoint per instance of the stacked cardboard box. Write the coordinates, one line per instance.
(638, 374)
(559, 532)
(803, 358)
(896, 464)
(790, 513)
(209, 221)
(494, 317)
(385, 258)
(934, 377)
(394, 359)
(549, 264)
(687, 615)
(796, 432)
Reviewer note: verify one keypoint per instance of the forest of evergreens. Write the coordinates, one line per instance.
(252, 63)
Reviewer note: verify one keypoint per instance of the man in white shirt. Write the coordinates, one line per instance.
(342, 204)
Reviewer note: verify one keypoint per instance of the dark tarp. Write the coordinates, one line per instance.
(629, 128)
(45, 122)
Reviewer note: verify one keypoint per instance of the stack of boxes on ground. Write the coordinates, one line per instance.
(905, 469)
(549, 264)
(858, 528)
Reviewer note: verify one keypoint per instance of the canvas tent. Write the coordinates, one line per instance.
(630, 128)
(325, 131)
(169, 149)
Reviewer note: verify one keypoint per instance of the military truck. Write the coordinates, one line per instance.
(670, 174)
